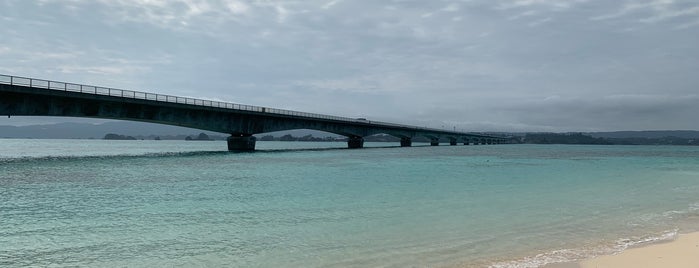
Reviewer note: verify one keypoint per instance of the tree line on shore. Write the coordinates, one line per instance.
(526, 138)
(200, 137)
(311, 138)
(580, 138)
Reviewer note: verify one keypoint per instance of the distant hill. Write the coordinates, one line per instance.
(141, 130)
(616, 138)
(95, 131)
(655, 134)
(112, 136)
(567, 138)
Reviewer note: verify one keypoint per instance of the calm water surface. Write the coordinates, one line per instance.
(186, 204)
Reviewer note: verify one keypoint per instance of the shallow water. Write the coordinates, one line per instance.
(174, 203)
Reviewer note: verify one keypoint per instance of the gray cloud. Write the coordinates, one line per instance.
(479, 64)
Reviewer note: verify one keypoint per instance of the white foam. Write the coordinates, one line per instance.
(623, 244)
(573, 255)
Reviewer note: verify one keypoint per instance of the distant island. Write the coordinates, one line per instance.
(201, 137)
(311, 138)
(112, 136)
(125, 130)
(580, 138)
(520, 138)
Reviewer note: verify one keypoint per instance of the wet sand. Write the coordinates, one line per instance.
(682, 252)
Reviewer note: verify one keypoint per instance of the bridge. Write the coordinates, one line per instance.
(22, 96)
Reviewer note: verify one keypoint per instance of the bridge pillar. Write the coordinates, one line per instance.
(241, 143)
(406, 142)
(434, 142)
(355, 142)
(465, 141)
(452, 142)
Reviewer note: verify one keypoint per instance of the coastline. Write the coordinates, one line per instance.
(678, 253)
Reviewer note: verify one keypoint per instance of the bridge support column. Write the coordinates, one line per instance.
(434, 142)
(466, 142)
(241, 143)
(406, 142)
(452, 142)
(355, 142)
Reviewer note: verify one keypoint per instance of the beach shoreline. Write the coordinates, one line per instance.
(681, 252)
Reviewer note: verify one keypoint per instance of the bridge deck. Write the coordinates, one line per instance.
(29, 96)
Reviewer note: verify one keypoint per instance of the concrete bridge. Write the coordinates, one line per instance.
(21, 96)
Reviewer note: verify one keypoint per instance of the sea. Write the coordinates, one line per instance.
(98, 203)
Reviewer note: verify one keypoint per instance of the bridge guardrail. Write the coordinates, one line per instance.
(96, 90)
(130, 94)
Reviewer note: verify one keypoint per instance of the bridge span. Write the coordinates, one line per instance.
(22, 96)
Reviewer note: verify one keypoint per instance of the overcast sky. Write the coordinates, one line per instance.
(478, 65)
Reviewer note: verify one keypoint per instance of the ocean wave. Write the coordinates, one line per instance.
(684, 220)
(579, 254)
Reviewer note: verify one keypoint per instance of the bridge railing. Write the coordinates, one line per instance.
(130, 94)
(96, 90)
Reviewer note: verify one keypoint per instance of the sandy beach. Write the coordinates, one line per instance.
(682, 252)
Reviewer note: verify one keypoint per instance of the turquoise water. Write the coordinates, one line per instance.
(173, 203)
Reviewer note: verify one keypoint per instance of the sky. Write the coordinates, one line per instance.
(473, 65)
